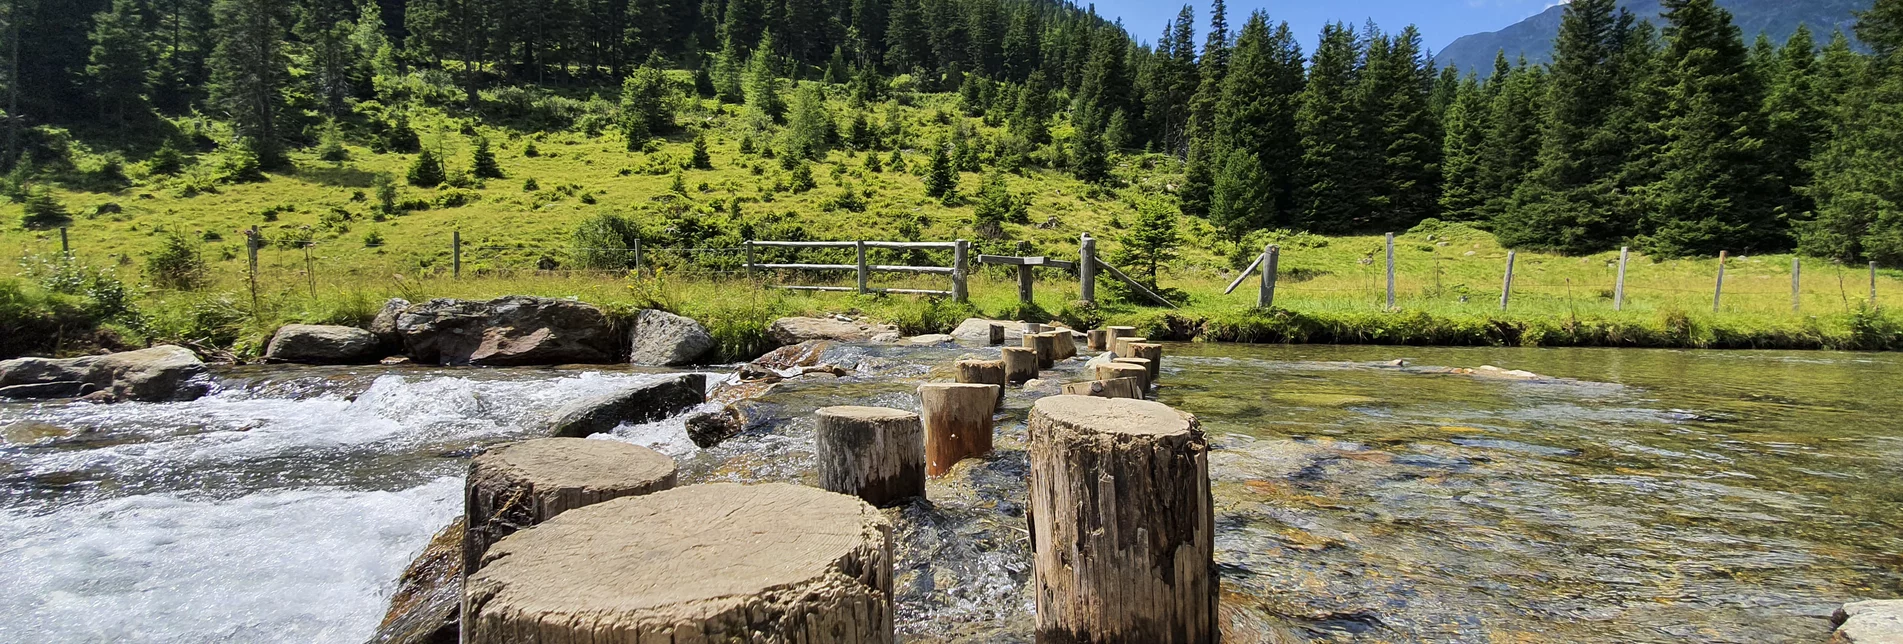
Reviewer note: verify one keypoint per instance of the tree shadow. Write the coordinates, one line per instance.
(338, 176)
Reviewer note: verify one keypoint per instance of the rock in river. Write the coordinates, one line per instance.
(662, 339)
(785, 331)
(157, 374)
(429, 595)
(323, 344)
(637, 404)
(1869, 622)
(507, 331)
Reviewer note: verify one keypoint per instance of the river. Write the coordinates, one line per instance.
(1634, 496)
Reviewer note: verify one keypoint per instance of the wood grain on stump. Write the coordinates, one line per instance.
(519, 485)
(1113, 388)
(1065, 342)
(1121, 346)
(1148, 367)
(1020, 364)
(1121, 523)
(1113, 370)
(1119, 332)
(983, 372)
(957, 423)
(1149, 351)
(1046, 347)
(873, 453)
(1098, 340)
(720, 562)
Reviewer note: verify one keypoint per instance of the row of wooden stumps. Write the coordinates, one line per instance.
(1120, 513)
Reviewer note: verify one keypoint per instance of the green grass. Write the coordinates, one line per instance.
(1448, 277)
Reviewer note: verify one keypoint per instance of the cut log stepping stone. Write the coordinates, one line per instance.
(1119, 369)
(1046, 347)
(1122, 532)
(874, 453)
(1098, 340)
(957, 420)
(720, 562)
(1113, 388)
(1020, 364)
(519, 485)
(1121, 346)
(1149, 351)
(983, 372)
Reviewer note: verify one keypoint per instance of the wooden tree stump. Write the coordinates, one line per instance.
(1046, 347)
(1098, 340)
(1033, 328)
(1114, 388)
(1119, 332)
(996, 332)
(983, 372)
(1121, 523)
(873, 453)
(957, 423)
(519, 485)
(1149, 351)
(1113, 370)
(720, 562)
(1065, 343)
(1121, 346)
(1020, 364)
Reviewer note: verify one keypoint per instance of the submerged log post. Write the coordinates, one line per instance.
(1122, 531)
(1151, 352)
(983, 372)
(1113, 388)
(996, 336)
(1020, 364)
(957, 423)
(1114, 370)
(691, 565)
(519, 485)
(873, 453)
(1121, 346)
(1046, 347)
(1098, 340)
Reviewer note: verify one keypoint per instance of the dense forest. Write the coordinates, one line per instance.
(1680, 139)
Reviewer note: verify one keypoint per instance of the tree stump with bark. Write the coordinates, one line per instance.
(1121, 346)
(996, 336)
(957, 420)
(519, 485)
(1121, 523)
(1046, 347)
(1149, 351)
(1065, 343)
(983, 372)
(1113, 370)
(720, 562)
(873, 453)
(1114, 388)
(1098, 340)
(1020, 364)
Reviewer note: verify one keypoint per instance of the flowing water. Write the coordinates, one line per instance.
(1635, 496)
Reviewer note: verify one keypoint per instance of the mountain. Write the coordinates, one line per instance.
(1534, 36)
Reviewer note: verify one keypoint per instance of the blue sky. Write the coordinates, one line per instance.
(1441, 21)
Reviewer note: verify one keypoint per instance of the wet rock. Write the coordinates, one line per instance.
(638, 404)
(384, 324)
(428, 597)
(1043, 386)
(889, 337)
(29, 371)
(395, 360)
(323, 344)
(57, 389)
(804, 354)
(785, 331)
(978, 331)
(157, 374)
(662, 339)
(930, 340)
(1878, 621)
(711, 428)
(507, 331)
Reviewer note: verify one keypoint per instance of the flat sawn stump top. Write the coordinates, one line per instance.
(1113, 415)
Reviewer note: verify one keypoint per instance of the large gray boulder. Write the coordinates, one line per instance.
(785, 331)
(55, 389)
(157, 374)
(637, 404)
(35, 371)
(662, 339)
(1878, 621)
(428, 599)
(323, 344)
(384, 324)
(506, 331)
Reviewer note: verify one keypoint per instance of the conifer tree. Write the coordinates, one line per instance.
(701, 160)
(1795, 120)
(941, 178)
(120, 62)
(482, 160)
(809, 126)
(1463, 195)
(764, 104)
(427, 171)
(1239, 200)
(1153, 241)
(1257, 115)
(1402, 131)
(728, 71)
(1335, 166)
(1518, 100)
(996, 204)
(1090, 162)
(248, 74)
(646, 104)
(1859, 198)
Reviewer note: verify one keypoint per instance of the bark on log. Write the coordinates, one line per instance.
(1098, 340)
(1149, 351)
(720, 562)
(957, 423)
(984, 372)
(873, 453)
(1121, 523)
(1114, 369)
(1113, 388)
(1121, 346)
(1046, 347)
(1020, 364)
(996, 334)
(1065, 342)
(519, 485)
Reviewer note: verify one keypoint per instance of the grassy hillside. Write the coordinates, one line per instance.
(331, 258)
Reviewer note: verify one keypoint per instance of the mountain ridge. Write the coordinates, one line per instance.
(1533, 37)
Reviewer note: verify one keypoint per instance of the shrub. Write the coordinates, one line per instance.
(603, 242)
(386, 193)
(427, 171)
(176, 263)
(372, 238)
(43, 210)
(482, 161)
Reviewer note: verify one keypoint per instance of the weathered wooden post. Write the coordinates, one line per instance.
(961, 270)
(1024, 275)
(1122, 528)
(995, 334)
(1114, 388)
(1020, 364)
(957, 423)
(1121, 346)
(519, 485)
(1046, 347)
(252, 240)
(865, 272)
(310, 268)
(1506, 290)
(1087, 267)
(1064, 342)
(873, 453)
(1618, 288)
(1265, 297)
(1097, 340)
(1797, 272)
(1149, 351)
(635, 245)
(1390, 270)
(691, 565)
(1117, 369)
(983, 372)
(1719, 292)
(65, 249)
(1873, 286)
(456, 253)
(750, 262)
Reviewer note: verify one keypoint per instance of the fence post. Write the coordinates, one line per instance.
(1265, 297)
(1506, 290)
(960, 270)
(310, 268)
(456, 253)
(1087, 267)
(1873, 286)
(64, 248)
(1390, 271)
(1024, 275)
(1618, 288)
(749, 245)
(637, 256)
(864, 273)
(1797, 272)
(1718, 294)
(251, 252)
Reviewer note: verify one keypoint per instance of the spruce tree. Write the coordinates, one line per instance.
(1859, 198)
(427, 170)
(248, 74)
(1239, 200)
(764, 104)
(1257, 114)
(700, 160)
(1795, 120)
(1403, 131)
(119, 66)
(809, 126)
(1090, 161)
(646, 105)
(1332, 189)
(1153, 241)
(996, 205)
(728, 71)
(482, 160)
(941, 179)
(1463, 193)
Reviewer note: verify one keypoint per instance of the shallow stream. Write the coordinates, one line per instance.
(1633, 496)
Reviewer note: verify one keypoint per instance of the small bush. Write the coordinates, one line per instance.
(176, 263)
(43, 210)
